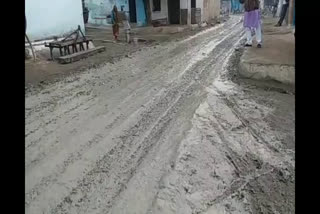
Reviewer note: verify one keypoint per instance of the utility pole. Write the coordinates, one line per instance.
(291, 10)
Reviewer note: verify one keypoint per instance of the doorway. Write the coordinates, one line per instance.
(133, 11)
(193, 3)
(174, 11)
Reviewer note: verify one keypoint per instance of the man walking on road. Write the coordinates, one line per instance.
(283, 14)
(252, 20)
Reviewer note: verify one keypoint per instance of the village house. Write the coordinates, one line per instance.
(164, 11)
(47, 19)
(185, 11)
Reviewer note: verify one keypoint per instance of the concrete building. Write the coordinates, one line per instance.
(185, 11)
(164, 11)
(47, 18)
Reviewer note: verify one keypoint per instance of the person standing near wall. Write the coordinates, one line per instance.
(115, 22)
(252, 20)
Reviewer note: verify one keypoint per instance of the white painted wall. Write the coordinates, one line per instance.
(48, 18)
(199, 4)
(209, 8)
(216, 8)
(183, 4)
(160, 14)
(213, 9)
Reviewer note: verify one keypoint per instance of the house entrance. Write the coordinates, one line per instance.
(174, 11)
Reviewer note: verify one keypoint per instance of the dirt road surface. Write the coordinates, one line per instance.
(164, 130)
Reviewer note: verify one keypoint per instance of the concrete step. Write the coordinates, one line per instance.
(80, 55)
(274, 61)
(281, 73)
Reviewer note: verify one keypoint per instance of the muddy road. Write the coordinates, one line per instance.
(164, 130)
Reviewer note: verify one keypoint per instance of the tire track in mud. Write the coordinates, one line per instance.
(53, 120)
(133, 145)
(232, 104)
(170, 59)
(244, 179)
(53, 142)
(247, 168)
(184, 90)
(36, 154)
(42, 120)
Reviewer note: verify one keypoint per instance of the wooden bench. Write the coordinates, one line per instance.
(65, 44)
(80, 55)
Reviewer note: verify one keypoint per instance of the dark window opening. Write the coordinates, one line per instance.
(193, 3)
(156, 5)
(132, 9)
(174, 11)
